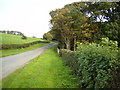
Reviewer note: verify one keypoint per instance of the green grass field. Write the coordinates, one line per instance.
(15, 39)
(45, 71)
(9, 52)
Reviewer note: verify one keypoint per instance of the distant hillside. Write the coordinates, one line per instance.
(12, 32)
(15, 39)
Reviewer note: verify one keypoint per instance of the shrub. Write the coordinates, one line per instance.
(109, 43)
(95, 65)
(24, 37)
(70, 60)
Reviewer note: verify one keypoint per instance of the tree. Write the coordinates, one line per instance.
(61, 26)
(85, 22)
(109, 12)
(24, 37)
(71, 24)
(48, 36)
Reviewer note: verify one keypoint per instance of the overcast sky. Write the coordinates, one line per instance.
(28, 16)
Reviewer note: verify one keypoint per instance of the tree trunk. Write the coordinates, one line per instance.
(74, 43)
(62, 46)
(68, 44)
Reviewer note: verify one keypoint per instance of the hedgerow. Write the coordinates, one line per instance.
(11, 46)
(95, 65)
(70, 60)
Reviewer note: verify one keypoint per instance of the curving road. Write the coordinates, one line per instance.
(11, 63)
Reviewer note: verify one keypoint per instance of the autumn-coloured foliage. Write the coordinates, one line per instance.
(85, 22)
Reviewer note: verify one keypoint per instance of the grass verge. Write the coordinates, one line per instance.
(45, 71)
(9, 52)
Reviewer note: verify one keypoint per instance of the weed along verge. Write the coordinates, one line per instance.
(44, 71)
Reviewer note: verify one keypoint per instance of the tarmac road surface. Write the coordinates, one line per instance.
(11, 63)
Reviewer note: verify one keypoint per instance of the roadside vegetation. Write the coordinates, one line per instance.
(95, 65)
(88, 35)
(45, 71)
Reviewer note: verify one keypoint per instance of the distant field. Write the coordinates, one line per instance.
(14, 39)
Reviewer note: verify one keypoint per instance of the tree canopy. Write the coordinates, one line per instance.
(85, 22)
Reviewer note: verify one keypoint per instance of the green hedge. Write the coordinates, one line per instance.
(10, 46)
(95, 66)
(70, 60)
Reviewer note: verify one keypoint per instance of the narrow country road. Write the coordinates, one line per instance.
(11, 63)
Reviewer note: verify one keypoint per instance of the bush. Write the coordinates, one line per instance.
(96, 63)
(70, 60)
(24, 37)
(109, 43)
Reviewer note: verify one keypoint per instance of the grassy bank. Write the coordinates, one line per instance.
(9, 52)
(45, 71)
(16, 39)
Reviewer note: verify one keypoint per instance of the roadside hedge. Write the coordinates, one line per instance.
(10, 46)
(70, 60)
(94, 65)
